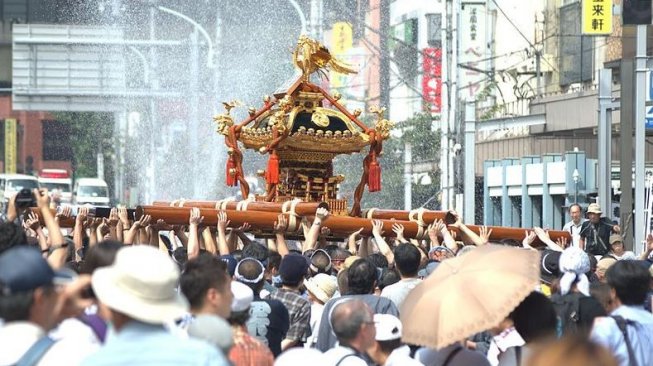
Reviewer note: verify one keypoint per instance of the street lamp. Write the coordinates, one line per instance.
(576, 177)
(210, 62)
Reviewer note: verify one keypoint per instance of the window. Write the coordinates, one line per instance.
(56, 141)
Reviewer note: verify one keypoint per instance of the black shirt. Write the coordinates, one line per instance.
(268, 322)
(597, 236)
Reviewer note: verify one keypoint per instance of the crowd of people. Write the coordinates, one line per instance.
(117, 290)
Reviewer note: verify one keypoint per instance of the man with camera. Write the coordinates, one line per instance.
(595, 233)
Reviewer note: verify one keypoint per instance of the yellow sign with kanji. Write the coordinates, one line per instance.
(10, 145)
(597, 17)
(341, 38)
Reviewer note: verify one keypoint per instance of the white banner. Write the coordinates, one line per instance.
(473, 48)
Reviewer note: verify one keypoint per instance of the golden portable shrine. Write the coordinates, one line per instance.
(302, 129)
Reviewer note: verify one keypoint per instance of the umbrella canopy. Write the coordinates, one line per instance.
(468, 294)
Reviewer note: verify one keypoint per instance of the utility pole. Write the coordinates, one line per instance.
(446, 96)
(453, 109)
(469, 210)
(150, 186)
(605, 141)
(538, 72)
(640, 137)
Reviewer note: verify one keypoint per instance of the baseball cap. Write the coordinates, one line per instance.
(388, 327)
(23, 268)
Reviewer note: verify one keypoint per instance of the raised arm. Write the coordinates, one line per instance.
(544, 238)
(381, 244)
(58, 255)
(280, 227)
(314, 232)
(194, 222)
(78, 231)
(33, 223)
(223, 247)
(351, 241)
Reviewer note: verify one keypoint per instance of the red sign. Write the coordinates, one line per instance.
(432, 79)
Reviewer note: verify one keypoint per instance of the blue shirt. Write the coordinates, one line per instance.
(139, 343)
(607, 333)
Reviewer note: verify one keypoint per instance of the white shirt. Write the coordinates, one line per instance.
(17, 337)
(502, 342)
(316, 316)
(397, 292)
(401, 357)
(574, 229)
(606, 333)
(337, 353)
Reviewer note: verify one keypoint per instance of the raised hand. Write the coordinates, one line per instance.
(42, 198)
(245, 227)
(223, 222)
(113, 218)
(485, 233)
(32, 221)
(377, 227)
(399, 231)
(196, 217)
(321, 213)
(123, 215)
(281, 225)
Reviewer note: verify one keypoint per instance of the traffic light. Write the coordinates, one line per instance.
(636, 12)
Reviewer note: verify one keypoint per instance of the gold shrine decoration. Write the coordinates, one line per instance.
(311, 56)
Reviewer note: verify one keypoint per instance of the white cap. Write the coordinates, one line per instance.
(243, 296)
(388, 327)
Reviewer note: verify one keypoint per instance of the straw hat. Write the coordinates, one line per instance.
(321, 286)
(141, 284)
(594, 208)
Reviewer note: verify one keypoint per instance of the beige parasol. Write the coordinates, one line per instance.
(468, 294)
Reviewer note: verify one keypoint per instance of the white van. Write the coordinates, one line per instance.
(10, 184)
(57, 180)
(92, 191)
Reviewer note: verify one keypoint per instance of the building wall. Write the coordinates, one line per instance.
(30, 138)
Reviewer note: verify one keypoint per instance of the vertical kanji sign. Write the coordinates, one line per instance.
(597, 17)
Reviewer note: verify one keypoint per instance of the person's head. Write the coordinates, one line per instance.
(361, 277)
(256, 251)
(535, 318)
(440, 253)
(338, 258)
(140, 285)
(100, 255)
(180, 257)
(603, 265)
(576, 212)
(27, 291)
(353, 324)
(594, 213)
(243, 297)
(11, 235)
(320, 262)
(629, 283)
(407, 259)
(572, 351)
(379, 260)
(616, 244)
(601, 292)
(321, 287)
(274, 260)
(343, 281)
(388, 277)
(388, 336)
(252, 273)
(293, 269)
(206, 284)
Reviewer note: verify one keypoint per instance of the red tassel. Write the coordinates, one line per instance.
(231, 173)
(374, 177)
(272, 173)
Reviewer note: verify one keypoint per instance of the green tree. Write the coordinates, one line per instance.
(91, 133)
(425, 148)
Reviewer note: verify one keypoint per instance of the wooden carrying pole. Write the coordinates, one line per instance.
(500, 233)
(420, 215)
(64, 222)
(260, 220)
(298, 207)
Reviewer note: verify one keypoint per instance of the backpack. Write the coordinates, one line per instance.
(567, 308)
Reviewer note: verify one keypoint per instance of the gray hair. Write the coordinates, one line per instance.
(348, 318)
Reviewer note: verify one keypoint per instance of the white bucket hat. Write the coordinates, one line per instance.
(321, 286)
(141, 284)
